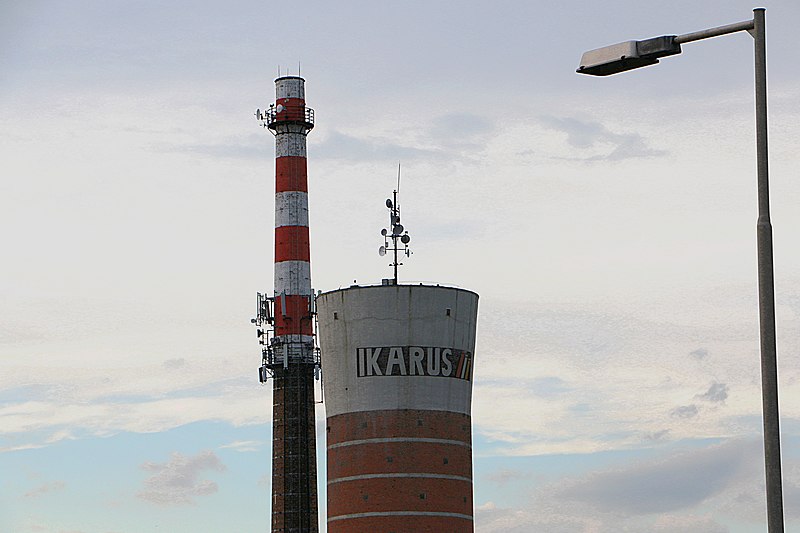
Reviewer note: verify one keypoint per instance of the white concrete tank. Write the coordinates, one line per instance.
(397, 362)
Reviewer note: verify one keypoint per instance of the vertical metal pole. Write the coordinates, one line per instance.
(766, 291)
(394, 237)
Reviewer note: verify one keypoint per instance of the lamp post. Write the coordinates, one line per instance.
(634, 54)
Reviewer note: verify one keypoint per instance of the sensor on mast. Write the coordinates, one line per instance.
(396, 231)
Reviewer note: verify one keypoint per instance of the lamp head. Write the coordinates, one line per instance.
(627, 56)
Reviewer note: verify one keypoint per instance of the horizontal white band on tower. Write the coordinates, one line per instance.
(292, 278)
(385, 440)
(398, 513)
(290, 88)
(419, 475)
(290, 144)
(291, 209)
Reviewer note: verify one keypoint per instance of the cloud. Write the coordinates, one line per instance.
(502, 477)
(178, 481)
(174, 364)
(244, 445)
(671, 493)
(679, 482)
(53, 486)
(682, 524)
(746, 500)
(351, 148)
(492, 519)
(584, 136)
(464, 135)
(489, 519)
(700, 353)
(247, 147)
(605, 379)
(685, 411)
(717, 392)
(452, 136)
(791, 498)
(461, 126)
(148, 398)
(656, 436)
(549, 386)
(539, 516)
(44, 423)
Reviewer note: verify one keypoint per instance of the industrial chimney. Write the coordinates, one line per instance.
(289, 357)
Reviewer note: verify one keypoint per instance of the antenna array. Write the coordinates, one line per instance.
(396, 232)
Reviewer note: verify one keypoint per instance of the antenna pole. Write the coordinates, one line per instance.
(394, 236)
(396, 232)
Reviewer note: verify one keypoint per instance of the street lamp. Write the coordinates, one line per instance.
(634, 54)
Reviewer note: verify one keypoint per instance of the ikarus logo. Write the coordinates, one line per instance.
(414, 361)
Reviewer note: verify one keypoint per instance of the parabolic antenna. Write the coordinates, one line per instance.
(389, 203)
(383, 232)
(397, 230)
(382, 251)
(405, 239)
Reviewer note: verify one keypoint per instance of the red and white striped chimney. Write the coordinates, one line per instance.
(291, 122)
(294, 474)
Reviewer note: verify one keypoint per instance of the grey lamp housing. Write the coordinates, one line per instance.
(627, 56)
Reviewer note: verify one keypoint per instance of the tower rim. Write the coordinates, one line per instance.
(289, 78)
(410, 285)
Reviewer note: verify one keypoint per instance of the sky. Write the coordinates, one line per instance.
(608, 225)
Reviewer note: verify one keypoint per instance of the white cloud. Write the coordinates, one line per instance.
(595, 142)
(685, 411)
(244, 445)
(47, 423)
(682, 524)
(349, 147)
(717, 392)
(671, 492)
(53, 486)
(501, 477)
(699, 353)
(596, 377)
(178, 481)
(673, 483)
(173, 364)
(148, 416)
